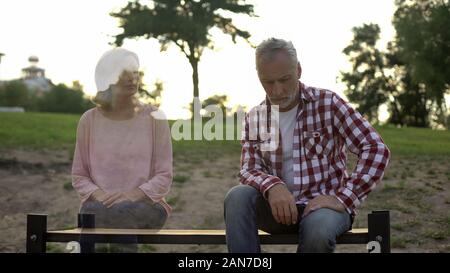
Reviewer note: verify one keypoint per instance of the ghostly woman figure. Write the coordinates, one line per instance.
(122, 166)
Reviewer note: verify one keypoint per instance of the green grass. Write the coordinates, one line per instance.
(37, 130)
(394, 187)
(416, 141)
(173, 200)
(55, 248)
(147, 248)
(398, 242)
(68, 185)
(56, 131)
(207, 174)
(180, 178)
(436, 234)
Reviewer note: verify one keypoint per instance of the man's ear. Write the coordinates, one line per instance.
(299, 71)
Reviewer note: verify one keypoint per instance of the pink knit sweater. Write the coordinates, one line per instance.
(118, 156)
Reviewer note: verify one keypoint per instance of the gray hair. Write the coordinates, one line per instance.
(266, 50)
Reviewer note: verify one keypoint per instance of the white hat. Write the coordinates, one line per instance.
(111, 65)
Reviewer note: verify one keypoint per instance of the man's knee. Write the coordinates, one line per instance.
(319, 230)
(240, 196)
(320, 240)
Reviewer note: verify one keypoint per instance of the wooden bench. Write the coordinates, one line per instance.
(87, 235)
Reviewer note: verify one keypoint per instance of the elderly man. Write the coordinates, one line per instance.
(300, 186)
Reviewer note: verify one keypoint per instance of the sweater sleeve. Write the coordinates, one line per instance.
(81, 178)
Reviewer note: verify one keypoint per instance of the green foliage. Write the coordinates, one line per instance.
(423, 40)
(367, 82)
(216, 100)
(152, 97)
(63, 99)
(68, 185)
(183, 22)
(16, 94)
(413, 75)
(60, 98)
(180, 178)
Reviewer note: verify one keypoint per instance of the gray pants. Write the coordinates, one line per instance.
(126, 215)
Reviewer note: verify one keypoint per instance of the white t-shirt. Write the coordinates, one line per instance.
(287, 125)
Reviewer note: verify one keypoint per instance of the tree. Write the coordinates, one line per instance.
(367, 81)
(184, 23)
(378, 78)
(15, 93)
(423, 40)
(412, 77)
(63, 99)
(423, 46)
(408, 100)
(153, 97)
(215, 100)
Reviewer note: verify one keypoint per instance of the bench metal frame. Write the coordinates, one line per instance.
(87, 235)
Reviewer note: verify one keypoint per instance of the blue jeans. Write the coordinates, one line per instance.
(246, 211)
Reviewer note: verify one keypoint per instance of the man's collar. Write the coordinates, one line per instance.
(307, 93)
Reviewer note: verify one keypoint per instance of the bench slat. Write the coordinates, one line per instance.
(175, 236)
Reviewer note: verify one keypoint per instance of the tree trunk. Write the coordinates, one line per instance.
(395, 115)
(196, 99)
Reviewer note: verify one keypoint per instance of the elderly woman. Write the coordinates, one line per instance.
(122, 166)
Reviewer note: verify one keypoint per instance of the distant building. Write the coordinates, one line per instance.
(12, 109)
(34, 77)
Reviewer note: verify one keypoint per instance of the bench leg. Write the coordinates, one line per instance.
(380, 229)
(36, 233)
(86, 221)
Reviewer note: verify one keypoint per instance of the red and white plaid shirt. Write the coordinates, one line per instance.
(326, 125)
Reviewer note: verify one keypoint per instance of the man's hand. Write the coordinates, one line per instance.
(323, 201)
(283, 205)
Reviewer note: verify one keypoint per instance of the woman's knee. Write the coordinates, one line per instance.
(92, 207)
(152, 216)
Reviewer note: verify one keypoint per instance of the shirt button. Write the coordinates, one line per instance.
(319, 149)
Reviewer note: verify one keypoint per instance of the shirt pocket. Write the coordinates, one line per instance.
(264, 156)
(318, 143)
